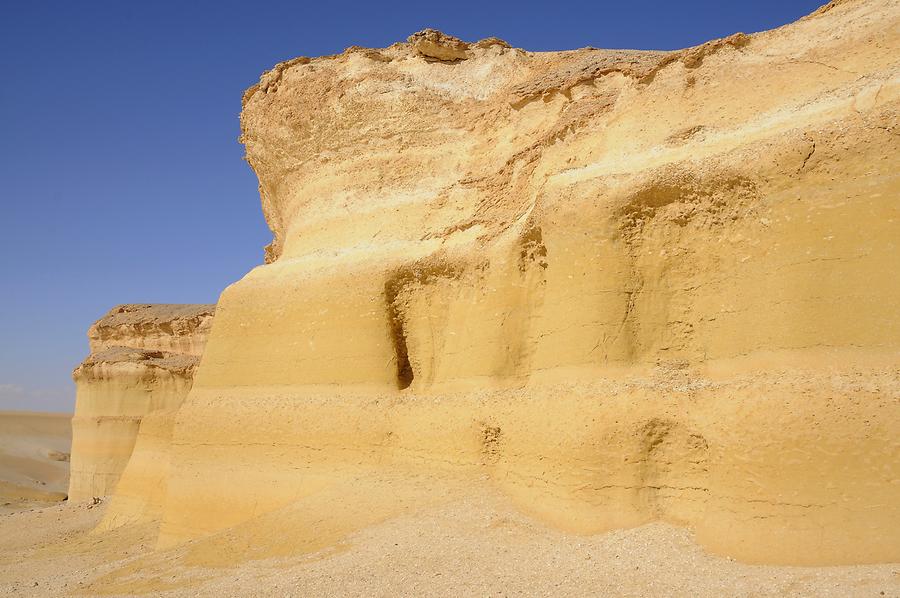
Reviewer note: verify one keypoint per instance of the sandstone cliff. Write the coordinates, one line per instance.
(619, 286)
(142, 361)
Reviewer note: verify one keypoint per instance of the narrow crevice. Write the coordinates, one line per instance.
(396, 321)
(398, 290)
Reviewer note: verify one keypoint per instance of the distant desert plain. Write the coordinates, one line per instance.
(34, 458)
(587, 322)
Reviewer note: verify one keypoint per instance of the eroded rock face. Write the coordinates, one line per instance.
(619, 285)
(433, 44)
(142, 361)
(170, 328)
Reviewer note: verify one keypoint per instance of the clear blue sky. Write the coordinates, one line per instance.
(121, 177)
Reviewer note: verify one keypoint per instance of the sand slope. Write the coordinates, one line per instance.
(34, 457)
(473, 546)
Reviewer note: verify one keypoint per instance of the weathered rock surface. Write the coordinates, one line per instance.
(431, 43)
(171, 328)
(619, 286)
(142, 361)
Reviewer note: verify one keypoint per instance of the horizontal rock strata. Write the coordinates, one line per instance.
(621, 286)
(142, 361)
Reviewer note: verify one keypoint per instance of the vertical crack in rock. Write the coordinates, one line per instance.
(396, 320)
(399, 290)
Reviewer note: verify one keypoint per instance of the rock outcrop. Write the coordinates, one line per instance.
(177, 329)
(432, 44)
(620, 286)
(142, 361)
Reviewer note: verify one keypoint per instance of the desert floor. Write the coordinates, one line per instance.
(34, 455)
(478, 546)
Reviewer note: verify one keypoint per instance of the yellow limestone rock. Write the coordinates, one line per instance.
(618, 286)
(142, 361)
(431, 43)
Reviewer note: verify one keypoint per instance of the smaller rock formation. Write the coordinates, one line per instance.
(435, 45)
(142, 361)
(171, 328)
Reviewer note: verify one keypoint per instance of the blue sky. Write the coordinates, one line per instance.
(121, 178)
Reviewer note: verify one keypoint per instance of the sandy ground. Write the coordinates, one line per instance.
(34, 458)
(474, 547)
(478, 545)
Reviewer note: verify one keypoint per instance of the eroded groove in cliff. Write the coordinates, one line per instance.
(396, 321)
(401, 288)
